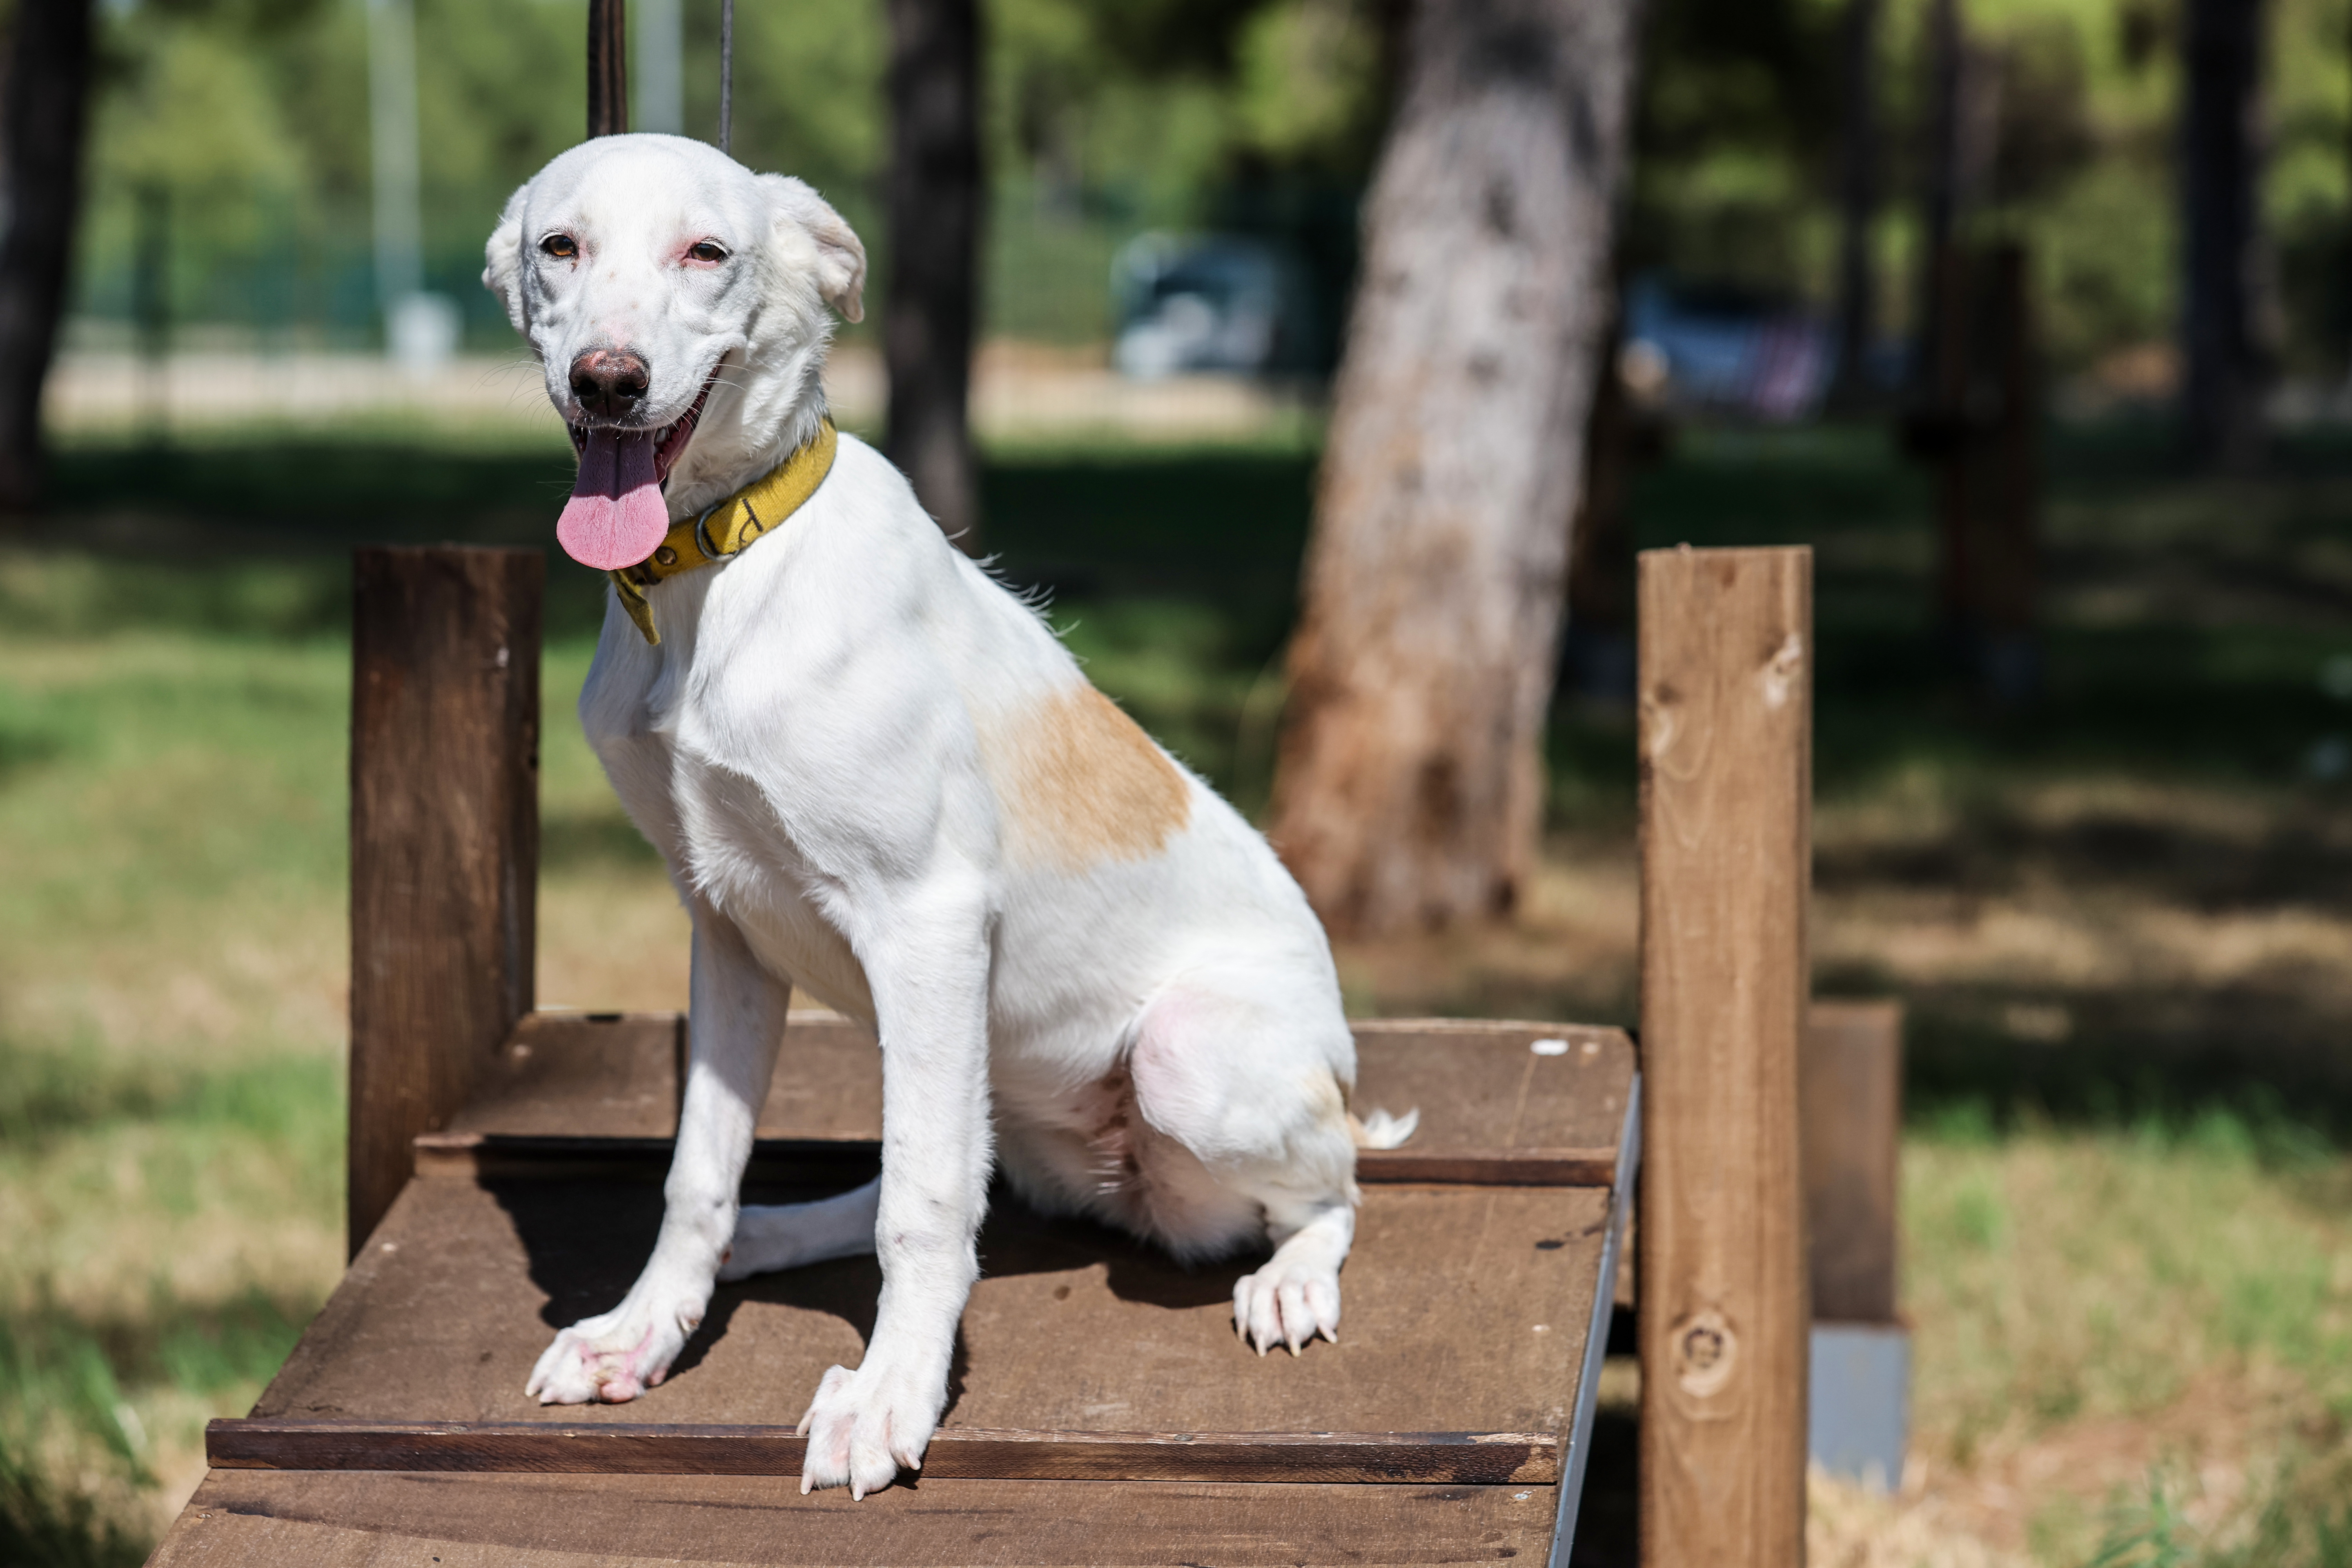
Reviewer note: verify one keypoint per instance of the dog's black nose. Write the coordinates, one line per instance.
(609, 380)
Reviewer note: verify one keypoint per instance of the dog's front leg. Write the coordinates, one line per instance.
(928, 973)
(735, 1020)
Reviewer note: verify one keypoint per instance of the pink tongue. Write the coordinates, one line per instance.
(615, 517)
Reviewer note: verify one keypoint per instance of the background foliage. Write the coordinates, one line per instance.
(1260, 114)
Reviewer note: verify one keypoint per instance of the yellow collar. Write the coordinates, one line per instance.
(756, 509)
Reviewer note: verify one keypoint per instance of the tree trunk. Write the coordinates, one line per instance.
(1409, 789)
(1857, 317)
(49, 91)
(1939, 193)
(2220, 173)
(930, 306)
(1982, 431)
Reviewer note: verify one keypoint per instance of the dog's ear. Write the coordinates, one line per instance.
(840, 254)
(503, 259)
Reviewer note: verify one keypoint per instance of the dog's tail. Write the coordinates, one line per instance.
(1381, 1130)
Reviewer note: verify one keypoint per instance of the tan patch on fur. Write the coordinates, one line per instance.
(1080, 783)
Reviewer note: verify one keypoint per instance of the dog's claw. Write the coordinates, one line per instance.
(1287, 1303)
(864, 1427)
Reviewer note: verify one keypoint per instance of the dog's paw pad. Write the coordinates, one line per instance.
(585, 1366)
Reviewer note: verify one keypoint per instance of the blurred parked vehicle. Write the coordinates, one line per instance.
(1208, 302)
(1719, 347)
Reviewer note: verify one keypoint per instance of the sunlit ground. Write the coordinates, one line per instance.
(2120, 926)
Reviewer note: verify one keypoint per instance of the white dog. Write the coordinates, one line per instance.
(875, 774)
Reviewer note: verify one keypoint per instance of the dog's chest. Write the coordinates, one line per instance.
(725, 841)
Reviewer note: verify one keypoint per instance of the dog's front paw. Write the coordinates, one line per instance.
(612, 1358)
(1289, 1302)
(863, 1424)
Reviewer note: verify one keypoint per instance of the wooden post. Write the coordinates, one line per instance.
(1852, 1098)
(608, 67)
(1726, 762)
(444, 840)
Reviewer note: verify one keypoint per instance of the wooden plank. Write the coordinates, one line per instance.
(264, 1518)
(833, 1165)
(574, 1074)
(827, 1083)
(1853, 1109)
(1498, 1083)
(1489, 1167)
(1481, 1086)
(846, 1162)
(444, 840)
(967, 1453)
(1726, 706)
(1465, 1311)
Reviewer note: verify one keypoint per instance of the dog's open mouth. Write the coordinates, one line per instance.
(617, 516)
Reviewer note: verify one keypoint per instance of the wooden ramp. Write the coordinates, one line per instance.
(1101, 1409)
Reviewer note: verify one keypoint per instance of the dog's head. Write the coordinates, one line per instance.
(678, 305)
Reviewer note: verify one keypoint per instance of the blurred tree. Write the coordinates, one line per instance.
(1735, 122)
(929, 311)
(47, 89)
(2220, 174)
(1409, 787)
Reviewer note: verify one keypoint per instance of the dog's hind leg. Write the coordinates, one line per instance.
(1246, 1074)
(785, 1235)
(735, 1022)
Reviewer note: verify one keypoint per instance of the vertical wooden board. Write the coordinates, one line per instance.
(1726, 662)
(444, 840)
(1853, 1090)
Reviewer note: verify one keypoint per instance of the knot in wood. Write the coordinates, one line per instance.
(1705, 1352)
(1782, 670)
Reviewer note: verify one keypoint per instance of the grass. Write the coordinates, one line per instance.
(2119, 921)
(2153, 1297)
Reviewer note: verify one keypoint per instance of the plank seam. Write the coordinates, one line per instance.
(956, 1453)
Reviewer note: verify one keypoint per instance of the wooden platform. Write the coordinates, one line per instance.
(1102, 1408)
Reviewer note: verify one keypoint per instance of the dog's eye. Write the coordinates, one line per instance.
(707, 250)
(560, 246)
